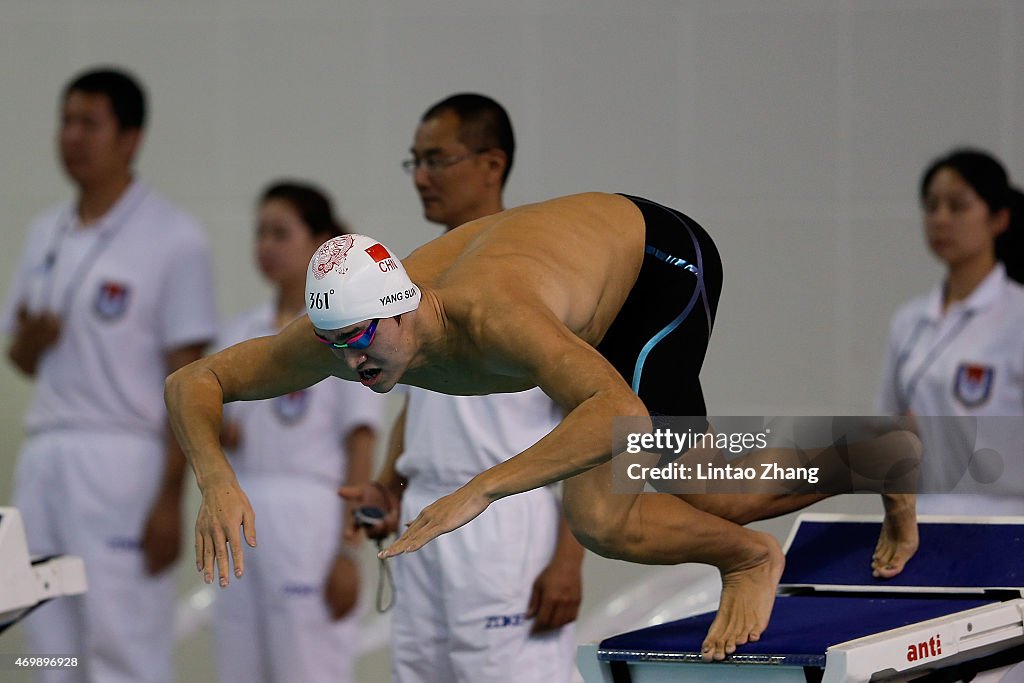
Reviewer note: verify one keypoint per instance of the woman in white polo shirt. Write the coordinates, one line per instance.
(292, 617)
(958, 352)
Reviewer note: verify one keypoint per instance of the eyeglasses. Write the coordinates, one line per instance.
(434, 163)
(358, 341)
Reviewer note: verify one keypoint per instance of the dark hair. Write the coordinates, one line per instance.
(483, 124)
(126, 96)
(989, 180)
(311, 203)
(1010, 244)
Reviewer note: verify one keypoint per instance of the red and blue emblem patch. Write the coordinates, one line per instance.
(973, 383)
(290, 408)
(112, 299)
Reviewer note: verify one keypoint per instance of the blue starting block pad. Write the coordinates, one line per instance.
(956, 607)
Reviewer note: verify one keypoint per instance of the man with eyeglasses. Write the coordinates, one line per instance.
(606, 302)
(501, 594)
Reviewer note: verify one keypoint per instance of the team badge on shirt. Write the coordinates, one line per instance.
(973, 383)
(112, 299)
(290, 408)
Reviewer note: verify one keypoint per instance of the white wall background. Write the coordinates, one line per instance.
(794, 130)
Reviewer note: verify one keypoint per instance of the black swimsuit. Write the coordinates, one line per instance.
(658, 340)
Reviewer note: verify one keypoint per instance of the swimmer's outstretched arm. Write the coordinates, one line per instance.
(581, 381)
(195, 394)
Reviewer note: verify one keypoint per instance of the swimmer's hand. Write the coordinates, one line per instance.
(440, 517)
(225, 508)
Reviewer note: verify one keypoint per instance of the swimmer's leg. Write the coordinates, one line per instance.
(659, 528)
(888, 464)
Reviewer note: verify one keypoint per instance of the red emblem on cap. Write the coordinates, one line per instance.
(378, 253)
(332, 255)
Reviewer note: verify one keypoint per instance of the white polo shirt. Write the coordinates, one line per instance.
(301, 433)
(968, 362)
(451, 439)
(128, 290)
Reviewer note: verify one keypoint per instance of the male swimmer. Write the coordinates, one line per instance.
(604, 301)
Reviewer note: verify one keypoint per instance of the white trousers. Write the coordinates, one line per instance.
(273, 625)
(88, 494)
(461, 600)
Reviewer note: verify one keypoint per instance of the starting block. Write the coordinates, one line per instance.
(25, 582)
(957, 609)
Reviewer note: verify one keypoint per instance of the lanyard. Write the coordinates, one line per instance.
(905, 395)
(84, 265)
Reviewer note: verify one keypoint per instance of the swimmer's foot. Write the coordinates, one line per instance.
(748, 594)
(898, 541)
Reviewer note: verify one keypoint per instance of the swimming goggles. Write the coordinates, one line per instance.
(358, 341)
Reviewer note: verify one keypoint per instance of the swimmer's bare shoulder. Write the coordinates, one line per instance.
(577, 256)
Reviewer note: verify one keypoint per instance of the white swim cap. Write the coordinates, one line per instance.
(353, 278)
